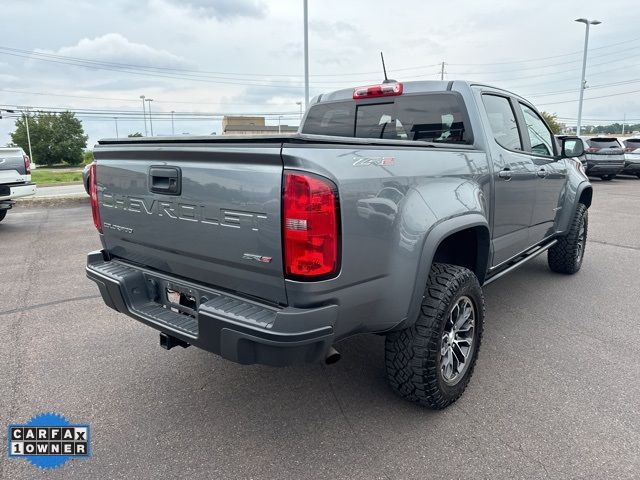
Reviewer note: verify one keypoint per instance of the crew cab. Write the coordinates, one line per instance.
(387, 213)
(15, 178)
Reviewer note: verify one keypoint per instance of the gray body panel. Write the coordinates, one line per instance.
(229, 206)
(393, 216)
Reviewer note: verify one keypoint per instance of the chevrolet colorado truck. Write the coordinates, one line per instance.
(386, 213)
(15, 178)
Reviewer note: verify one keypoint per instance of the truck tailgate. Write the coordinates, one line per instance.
(206, 212)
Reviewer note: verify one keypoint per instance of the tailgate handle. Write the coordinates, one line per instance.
(165, 180)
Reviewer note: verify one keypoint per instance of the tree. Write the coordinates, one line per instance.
(55, 138)
(552, 121)
(137, 134)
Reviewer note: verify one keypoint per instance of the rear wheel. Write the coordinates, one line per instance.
(431, 362)
(3, 213)
(607, 178)
(566, 255)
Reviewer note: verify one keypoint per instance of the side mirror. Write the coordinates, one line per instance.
(571, 147)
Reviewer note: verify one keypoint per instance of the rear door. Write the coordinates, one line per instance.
(602, 149)
(632, 150)
(551, 173)
(515, 179)
(209, 212)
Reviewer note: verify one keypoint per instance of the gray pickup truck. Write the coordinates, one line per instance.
(385, 214)
(15, 178)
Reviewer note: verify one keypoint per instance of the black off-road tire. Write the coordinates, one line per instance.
(413, 355)
(566, 255)
(3, 213)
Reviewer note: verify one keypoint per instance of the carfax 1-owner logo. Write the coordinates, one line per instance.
(48, 440)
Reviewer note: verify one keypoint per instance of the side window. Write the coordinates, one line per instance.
(503, 121)
(539, 135)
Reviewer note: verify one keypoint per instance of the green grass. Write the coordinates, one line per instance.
(43, 176)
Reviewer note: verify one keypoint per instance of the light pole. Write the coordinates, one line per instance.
(115, 119)
(149, 100)
(584, 67)
(173, 130)
(306, 55)
(144, 115)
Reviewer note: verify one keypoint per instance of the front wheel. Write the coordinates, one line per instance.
(566, 255)
(431, 362)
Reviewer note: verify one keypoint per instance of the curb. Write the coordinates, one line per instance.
(52, 201)
(58, 184)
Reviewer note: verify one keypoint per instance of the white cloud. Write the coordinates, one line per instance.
(113, 47)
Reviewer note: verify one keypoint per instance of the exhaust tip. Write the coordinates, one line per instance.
(333, 356)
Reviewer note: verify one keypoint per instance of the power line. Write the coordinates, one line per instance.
(591, 87)
(591, 98)
(547, 58)
(131, 100)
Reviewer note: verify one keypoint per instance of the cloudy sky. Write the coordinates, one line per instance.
(203, 58)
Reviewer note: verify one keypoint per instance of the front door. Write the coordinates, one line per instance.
(515, 180)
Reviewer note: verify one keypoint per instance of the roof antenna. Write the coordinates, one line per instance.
(384, 69)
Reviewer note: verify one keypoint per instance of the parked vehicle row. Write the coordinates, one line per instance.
(607, 157)
(15, 178)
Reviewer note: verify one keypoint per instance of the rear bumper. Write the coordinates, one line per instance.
(241, 330)
(594, 167)
(11, 192)
(632, 167)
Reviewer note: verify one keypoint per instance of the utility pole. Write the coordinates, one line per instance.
(26, 122)
(624, 120)
(583, 82)
(279, 128)
(300, 105)
(144, 115)
(173, 130)
(116, 120)
(149, 100)
(442, 71)
(306, 55)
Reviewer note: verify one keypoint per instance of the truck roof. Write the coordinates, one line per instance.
(421, 86)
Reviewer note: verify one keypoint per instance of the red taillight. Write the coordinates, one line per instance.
(310, 226)
(27, 164)
(592, 150)
(382, 90)
(93, 194)
(629, 149)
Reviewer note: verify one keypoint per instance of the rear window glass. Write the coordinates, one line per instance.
(633, 142)
(603, 143)
(435, 117)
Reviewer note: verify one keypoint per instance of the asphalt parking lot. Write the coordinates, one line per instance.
(555, 394)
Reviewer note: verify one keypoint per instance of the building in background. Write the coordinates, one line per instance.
(253, 126)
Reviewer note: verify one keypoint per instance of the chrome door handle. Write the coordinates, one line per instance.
(542, 173)
(505, 174)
